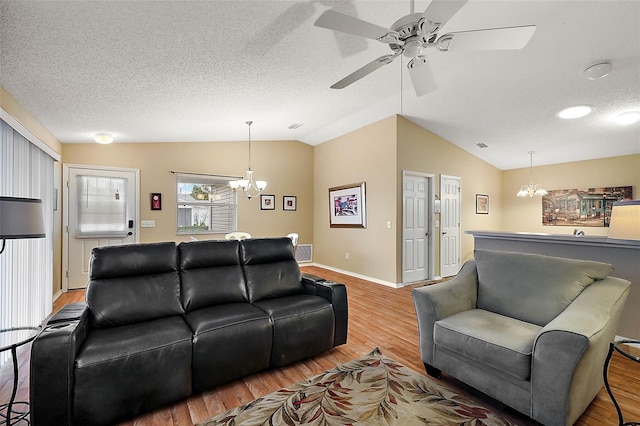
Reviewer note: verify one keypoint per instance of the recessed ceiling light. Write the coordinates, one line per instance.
(103, 138)
(575, 111)
(626, 118)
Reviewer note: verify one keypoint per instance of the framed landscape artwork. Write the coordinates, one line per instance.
(582, 207)
(347, 206)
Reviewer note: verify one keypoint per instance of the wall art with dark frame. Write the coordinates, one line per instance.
(347, 206)
(156, 201)
(482, 204)
(267, 202)
(289, 202)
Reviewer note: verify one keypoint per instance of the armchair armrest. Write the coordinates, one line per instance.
(336, 294)
(569, 352)
(438, 301)
(53, 354)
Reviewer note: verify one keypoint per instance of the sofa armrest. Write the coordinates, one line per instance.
(437, 301)
(336, 294)
(53, 354)
(569, 352)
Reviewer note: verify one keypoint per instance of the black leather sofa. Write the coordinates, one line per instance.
(162, 321)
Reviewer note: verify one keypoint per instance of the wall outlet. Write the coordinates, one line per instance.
(437, 224)
(388, 224)
(148, 224)
(346, 255)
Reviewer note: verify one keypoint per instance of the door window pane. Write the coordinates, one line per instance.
(102, 206)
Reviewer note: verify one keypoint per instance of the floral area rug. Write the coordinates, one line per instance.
(372, 390)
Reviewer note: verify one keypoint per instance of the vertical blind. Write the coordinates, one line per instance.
(26, 266)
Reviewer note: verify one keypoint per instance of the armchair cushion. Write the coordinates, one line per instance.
(497, 341)
(532, 287)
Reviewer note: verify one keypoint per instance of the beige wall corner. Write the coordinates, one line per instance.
(20, 114)
(419, 150)
(364, 155)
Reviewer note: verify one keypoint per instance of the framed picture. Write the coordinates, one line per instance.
(289, 202)
(482, 204)
(267, 202)
(156, 201)
(347, 206)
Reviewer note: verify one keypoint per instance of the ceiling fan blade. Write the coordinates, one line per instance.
(364, 71)
(440, 11)
(337, 21)
(421, 75)
(489, 39)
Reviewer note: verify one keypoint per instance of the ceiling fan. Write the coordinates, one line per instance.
(413, 33)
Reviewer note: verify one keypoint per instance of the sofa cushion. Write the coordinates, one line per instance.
(500, 342)
(303, 326)
(532, 287)
(270, 268)
(210, 274)
(229, 341)
(133, 283)
(121, 372)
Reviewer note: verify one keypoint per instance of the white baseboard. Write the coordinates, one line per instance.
(58, 294)
(353, 274)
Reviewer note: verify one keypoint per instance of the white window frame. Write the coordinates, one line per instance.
(228, 200)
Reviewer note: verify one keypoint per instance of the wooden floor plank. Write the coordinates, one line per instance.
(380, 317)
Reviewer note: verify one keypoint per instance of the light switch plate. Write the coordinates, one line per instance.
(148, 223)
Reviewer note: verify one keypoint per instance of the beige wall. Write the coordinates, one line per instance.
(17, 111)
(20, 114)
(419, 150)
(365, 155)
(525, 214)
(286, 165)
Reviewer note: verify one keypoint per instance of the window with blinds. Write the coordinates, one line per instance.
(205, 205)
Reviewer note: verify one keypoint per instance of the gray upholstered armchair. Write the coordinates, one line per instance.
(531, 331)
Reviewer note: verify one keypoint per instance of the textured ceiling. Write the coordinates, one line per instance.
(155, 71)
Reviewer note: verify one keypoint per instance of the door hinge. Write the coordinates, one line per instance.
(67, 184)
(67, 274)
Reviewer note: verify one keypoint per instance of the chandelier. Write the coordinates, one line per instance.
(247, 186)
(531, 189)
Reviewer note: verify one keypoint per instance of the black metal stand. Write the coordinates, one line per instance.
(618, 348)
(8, 412)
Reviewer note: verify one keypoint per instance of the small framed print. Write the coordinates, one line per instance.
(482, 204)
(267, 202)
(156, 201)
(289, 202)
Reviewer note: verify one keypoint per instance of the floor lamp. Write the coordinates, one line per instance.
(19, 218)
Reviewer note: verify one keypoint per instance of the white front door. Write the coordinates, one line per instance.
(101, 209)
(415, 228)
(450, 245)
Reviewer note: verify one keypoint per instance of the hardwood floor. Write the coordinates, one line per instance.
(378, 317)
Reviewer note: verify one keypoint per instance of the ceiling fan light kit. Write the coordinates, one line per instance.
(412, 34)
(627, 118)
(597, 70)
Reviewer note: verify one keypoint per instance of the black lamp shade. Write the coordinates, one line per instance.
(21, 218)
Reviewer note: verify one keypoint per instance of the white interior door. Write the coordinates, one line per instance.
(416, 228)
(101, 209)
(450, 246)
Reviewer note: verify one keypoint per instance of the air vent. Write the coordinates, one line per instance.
(482, 145)
(304, 252)
(295, 126)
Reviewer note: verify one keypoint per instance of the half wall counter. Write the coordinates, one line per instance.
(624, 255)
